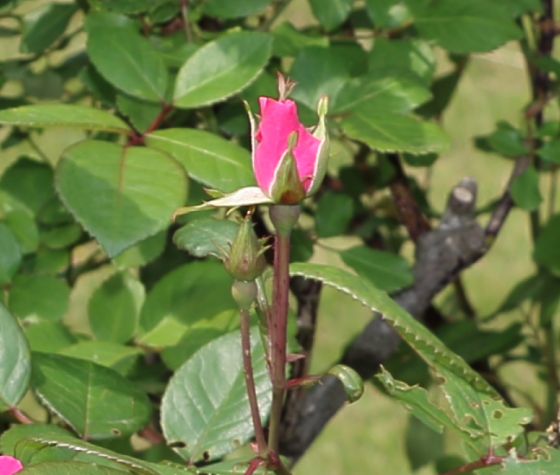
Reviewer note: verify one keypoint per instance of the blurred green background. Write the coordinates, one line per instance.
(368, 436)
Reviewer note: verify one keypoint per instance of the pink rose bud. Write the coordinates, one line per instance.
(9, 465)
(289, 162)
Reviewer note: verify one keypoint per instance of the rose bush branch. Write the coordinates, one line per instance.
(245, 263)
(283, 217)
(289, 163)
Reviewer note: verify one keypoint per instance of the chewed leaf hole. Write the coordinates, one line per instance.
(178, 444)
(497, 414)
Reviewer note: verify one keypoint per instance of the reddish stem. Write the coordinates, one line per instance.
(283, 217)
(278, 333)
(166, 109)
(253, 465)
(486, 461)
(250, 382)
(138, 139)
(20, 416)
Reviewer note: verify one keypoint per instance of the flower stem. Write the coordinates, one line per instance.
(250, 381)
(20, 416)
(486, 461)
(283, 218)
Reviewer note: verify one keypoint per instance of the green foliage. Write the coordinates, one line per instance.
(206, 237)
(185, 295)
(69, 468)
(39, 297)
(209, 159)
(241, 8)
(15, 361)
(140, 186)
(525, 190)
(464, 26)
(95, 401)
(385, 270)
(63, 115)
(114, 308)
(116, 315)
(10, 254)
(318, 72)
(350, 379)
(422, 341)
(42, 27)
(331, 14)
(221, 68)
(124, 57)
(379, 102)
(334, 212)
(210, 389)
(547, 252)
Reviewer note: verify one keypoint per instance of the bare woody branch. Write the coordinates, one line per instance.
(441, 254)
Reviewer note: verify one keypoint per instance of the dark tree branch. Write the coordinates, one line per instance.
(410, 214)
(307, 293)
(441, 254)
(417, 224)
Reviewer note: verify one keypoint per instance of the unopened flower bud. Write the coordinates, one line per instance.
(289, 161)
(244, 293)
(245, 261)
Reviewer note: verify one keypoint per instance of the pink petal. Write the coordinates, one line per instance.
(9, 465)
(279, 120)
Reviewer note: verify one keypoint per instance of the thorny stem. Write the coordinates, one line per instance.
(278, 334)
(283, 219)
(250, 381)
